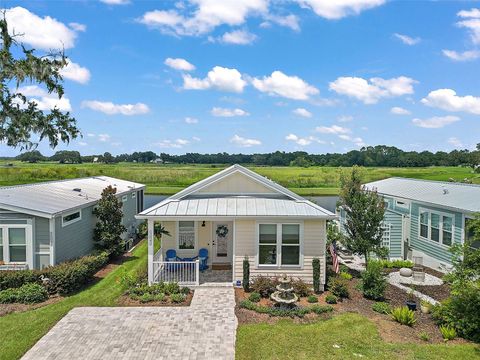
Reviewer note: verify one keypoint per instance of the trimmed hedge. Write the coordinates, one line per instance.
(27, 294)
(393, 264)
(284, 312)
(64, 278)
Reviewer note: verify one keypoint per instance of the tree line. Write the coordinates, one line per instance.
(381, 155)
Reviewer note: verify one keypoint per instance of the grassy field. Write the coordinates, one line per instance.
(169, 179)
(346, 336)
(20, 331)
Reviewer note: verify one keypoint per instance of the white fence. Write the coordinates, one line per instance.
(185, 273)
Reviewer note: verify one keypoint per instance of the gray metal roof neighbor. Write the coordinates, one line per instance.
(53, 197)
(459, 196)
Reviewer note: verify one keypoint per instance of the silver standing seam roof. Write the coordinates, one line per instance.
(280, 203)
(50, 198)
(455, 196)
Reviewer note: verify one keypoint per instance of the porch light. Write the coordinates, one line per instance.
(203, 223)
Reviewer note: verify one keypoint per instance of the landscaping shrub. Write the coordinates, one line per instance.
(301, 288)
(177, 298)
(382, 308)
(254, 297)
(26, 294)
(331, 299)
(316, 275)
(345, 275)
(392, 264)
(448, 333)
(338, 287)
(170, 288)
(285, 312)
(264, 285)
(319, 309)
(404, 316)
(424, 336)
(15, 279)
(374, 282)
(158, 292)
(246, 274)
(312, 299)
(185, 290)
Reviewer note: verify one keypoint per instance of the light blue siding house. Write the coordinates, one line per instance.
(47, 223)
(425, 218)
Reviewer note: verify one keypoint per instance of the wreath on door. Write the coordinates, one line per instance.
(222, 231)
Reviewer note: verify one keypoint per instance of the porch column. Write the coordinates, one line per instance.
(150, 251)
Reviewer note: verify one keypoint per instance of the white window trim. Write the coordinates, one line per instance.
(28, 243)
(278, 264)
(440, 227)
(66, 223)
(177, 233)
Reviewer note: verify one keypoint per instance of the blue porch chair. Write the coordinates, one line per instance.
(203, 257)
(171, 255)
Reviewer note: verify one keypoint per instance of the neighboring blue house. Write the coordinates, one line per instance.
(424, 218)
(48, 223)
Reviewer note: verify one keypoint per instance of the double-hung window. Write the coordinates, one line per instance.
(279, 244)
(436, 227)
(424, 224)
(186, 235)
(14, 240)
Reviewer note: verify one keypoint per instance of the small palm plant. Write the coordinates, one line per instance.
(448, 332)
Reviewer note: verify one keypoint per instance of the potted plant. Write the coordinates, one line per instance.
(425, 306)
(411, 303)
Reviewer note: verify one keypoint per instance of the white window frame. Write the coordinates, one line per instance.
(440, 227)
(28, 243)
(278, 264)
(66, 223)
(195, 231)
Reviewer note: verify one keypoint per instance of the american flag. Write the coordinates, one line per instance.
(333, 251)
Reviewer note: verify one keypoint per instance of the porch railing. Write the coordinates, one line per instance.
(185, 273)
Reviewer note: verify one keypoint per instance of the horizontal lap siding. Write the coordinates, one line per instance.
(395, 221)
(314, 246)
(429, 247)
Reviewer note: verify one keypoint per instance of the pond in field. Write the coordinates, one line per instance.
(327, 202)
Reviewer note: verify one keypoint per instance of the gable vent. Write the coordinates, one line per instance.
(77, 189)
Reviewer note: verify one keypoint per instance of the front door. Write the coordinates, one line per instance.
(222, 242)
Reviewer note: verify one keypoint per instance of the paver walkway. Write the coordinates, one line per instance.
(204, 330)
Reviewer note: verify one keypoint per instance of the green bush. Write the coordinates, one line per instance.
(448, 333)
(461, 312)
(319, 309)
(254, 297)
(170, 288)
(246, 274)
(345, 275)
(338, 287)
(392, 264)
(424, 336)
(374, 282)
(15, 279)
(27, 294)
(404, 316)
(382, 308)
(312, 299)
(177, 298)
(331, 299)
(301, 288)
(185, 290)
(264, 285)
(316, 275)
(285, 312)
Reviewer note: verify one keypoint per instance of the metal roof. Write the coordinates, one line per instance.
(456, 196)
(53, 197)
(280, 203)
(237, 206)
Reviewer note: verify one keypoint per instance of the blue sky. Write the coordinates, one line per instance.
(259, 76)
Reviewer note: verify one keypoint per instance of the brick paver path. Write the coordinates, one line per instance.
(205, 330)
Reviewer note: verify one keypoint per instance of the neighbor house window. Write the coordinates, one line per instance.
(279, 244)
(17, 243)
(290, 244)
(267, 242)
(71, 218)
(436, 227)
(186, 235)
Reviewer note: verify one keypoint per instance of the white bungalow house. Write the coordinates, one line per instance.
(234, 214)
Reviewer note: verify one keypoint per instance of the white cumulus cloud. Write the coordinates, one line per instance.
(43, 99)
(471, 22)
(78, 27)
(337, 9)
(334, 129)
(370, 92)
(244, 142)
(407, 40)
(218, 78)
(455, 142)
(302, 112)
(238, 37)
(75, 72)
(172, 144)
(179, 64)
(397, 110)
(42, 33)
(447, 99)
(225, 112)
(191, 120)
(435, 122)
(115, 2)
(110, 108)
(303, 141)
(290, 87)
(467, 55)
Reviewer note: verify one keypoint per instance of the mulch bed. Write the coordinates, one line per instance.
(388, 329)
(125, 300)
(437, 292)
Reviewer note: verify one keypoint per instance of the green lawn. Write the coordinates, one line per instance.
(20, 331)
(171, 178)
(357, 337)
